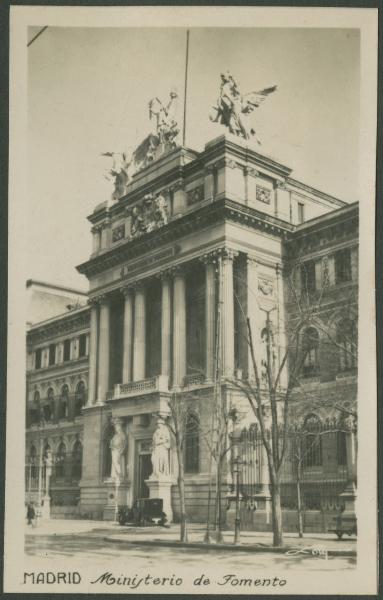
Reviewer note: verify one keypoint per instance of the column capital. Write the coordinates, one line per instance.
(250, 171)
(164, 274)
(102, 299)
(280, 184)
(96, 228)
(209, 258)
(252, 261)
(127, 290)
(177, 185)
(227, 254)
(139, 285)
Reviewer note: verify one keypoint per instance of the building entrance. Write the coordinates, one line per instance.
(144, 471)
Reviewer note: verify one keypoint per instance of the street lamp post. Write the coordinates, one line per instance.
(237, 465)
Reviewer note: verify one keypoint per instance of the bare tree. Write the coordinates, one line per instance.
(269, 400)
(177, 422)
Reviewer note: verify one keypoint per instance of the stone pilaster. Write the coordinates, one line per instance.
(166, 326)
(252, 313)
(93, 342)
(103, 350)
(226, 301)
(210, 315)
(139, 343)
(128, 336)
(179, 327)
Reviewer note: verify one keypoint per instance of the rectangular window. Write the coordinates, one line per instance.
(52, 354)
(82, 345)
(308, 281)
(66, 350)
(343, 266)
(312, 451)
(301, 212)
(38, 358)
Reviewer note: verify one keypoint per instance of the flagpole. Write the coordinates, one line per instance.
(186, 86)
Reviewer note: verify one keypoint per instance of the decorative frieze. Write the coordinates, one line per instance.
(196, 195)
(263, 194)
(118, 233)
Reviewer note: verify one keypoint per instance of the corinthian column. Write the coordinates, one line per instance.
(165, 326)
(103, 350)
(179, 329)
(139, 344)
(210, 305)
(128, 336)
(226, 300)
(93, 337)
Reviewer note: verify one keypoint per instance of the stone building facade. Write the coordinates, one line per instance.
(199, 243)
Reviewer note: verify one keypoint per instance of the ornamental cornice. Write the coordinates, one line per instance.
(69, 324)
(220, 210)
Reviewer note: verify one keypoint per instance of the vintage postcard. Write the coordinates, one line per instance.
(191, 400)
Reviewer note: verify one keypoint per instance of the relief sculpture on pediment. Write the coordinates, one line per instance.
(150, 214)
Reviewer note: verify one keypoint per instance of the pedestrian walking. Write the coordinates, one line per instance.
(31, 515)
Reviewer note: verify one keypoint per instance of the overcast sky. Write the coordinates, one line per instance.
(88, 91)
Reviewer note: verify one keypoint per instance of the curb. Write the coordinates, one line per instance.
(220, 547)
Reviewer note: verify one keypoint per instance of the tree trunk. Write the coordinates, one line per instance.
(276, 508)
(299, 503)
(181, 491)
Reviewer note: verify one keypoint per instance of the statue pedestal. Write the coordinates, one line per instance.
(161, 488)
(46, 508)
(348, 497)
(117, 495)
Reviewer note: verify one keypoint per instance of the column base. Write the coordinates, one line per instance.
(161, 488)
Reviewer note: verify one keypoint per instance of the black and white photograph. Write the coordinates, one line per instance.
(191, 403)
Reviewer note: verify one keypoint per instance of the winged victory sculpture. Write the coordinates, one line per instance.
(233, 108)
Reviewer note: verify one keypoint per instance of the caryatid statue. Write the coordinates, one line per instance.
(118, 445)
(160, 450)
(233, 107)
(48, 460)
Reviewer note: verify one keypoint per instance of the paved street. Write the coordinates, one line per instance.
(102, 542)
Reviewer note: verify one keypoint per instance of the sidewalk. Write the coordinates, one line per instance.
(251, 541)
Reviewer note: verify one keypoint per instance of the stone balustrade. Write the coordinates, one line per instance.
(159, 383)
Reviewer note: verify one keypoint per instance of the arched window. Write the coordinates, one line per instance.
(311, 449)
(60, 461)
(64, 400)
(310, 347)
(191, 460)
(79, 398)
(107, 454)
(346, 339)
(49, 405)
(77, 460)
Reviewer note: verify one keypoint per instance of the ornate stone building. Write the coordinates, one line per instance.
(198, 243)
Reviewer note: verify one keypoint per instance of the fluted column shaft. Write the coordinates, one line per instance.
(103, 351)
(253, 315)
(93, 340)
(179, 329)
(128, 337)
(166, 327)
(139, 344)
(227, 314)
(210, 306)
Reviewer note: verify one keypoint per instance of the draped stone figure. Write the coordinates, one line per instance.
(160, 451)
(117, 446)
